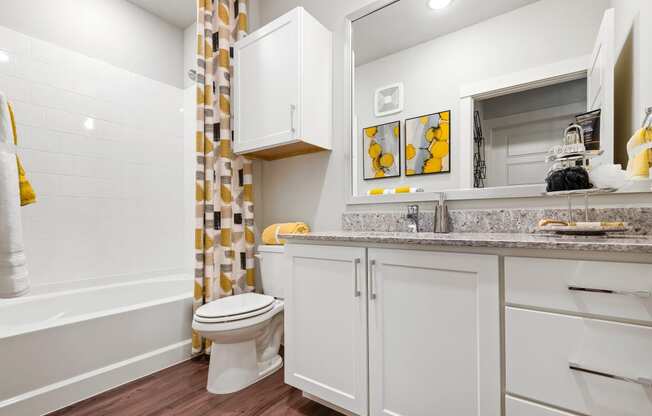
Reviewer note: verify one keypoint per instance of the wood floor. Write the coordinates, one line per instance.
(181, 390)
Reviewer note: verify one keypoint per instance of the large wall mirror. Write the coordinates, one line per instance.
(469, 99)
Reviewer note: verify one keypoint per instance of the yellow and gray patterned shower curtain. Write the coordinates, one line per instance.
(224, 234)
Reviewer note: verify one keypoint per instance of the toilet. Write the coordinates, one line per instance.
(246, 329)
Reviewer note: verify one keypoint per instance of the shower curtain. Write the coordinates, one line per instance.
(224, 232)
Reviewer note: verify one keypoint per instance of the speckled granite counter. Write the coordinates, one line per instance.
(621, 243)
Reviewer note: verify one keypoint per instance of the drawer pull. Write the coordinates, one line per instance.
(645, 382)
(372, 293)
(635, 293)
(356, 289)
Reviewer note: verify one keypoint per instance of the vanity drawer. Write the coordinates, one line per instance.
(519, 407)
(541, 348)
(615, 290)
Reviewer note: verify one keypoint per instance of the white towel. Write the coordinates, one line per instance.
(13, 268)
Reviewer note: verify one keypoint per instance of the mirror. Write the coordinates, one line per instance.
(470, 99)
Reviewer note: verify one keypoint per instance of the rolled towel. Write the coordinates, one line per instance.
(13, 263)
(271, 233)
(391, 191)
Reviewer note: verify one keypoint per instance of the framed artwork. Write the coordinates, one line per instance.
(428, 144)
(382, 151)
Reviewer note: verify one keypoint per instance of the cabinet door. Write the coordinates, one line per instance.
(434, 334)
(266, 85)
(325, 324)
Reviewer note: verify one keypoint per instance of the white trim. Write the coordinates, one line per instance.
(370, 8)
(555, 73)
(74, 389)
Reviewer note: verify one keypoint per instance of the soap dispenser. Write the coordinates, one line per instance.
(441, 215)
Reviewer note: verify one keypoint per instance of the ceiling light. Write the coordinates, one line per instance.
(89, 123)
(4, 56)
(439, 4)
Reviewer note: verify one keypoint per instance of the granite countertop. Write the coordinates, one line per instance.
(612, 243)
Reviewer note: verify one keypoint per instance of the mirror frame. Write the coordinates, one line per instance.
(551, 74)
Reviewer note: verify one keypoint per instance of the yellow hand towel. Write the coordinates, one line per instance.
(271, 233)
(638, 150)
(27, 195)
(377, 191)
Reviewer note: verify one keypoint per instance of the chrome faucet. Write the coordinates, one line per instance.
(441, 215)
(413, 218)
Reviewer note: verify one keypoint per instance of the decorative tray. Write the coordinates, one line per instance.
(584, 228)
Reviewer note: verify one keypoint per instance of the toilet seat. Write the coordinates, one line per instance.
(234, 308)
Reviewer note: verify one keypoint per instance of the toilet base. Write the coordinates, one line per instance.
(233, 367)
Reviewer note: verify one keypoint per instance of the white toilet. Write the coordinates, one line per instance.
(246, 329)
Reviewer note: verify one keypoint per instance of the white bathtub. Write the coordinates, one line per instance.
(59, 348)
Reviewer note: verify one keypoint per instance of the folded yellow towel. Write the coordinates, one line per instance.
(27, 195)
(271, 233)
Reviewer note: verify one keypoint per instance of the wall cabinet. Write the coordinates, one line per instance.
(282, 88)
(432, 321)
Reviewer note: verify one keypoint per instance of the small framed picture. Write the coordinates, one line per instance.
(382, 151)
(428, 144)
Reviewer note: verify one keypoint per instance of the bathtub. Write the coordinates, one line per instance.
(59, 348)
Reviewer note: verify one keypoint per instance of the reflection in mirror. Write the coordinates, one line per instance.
(528, 68)
(516, 131)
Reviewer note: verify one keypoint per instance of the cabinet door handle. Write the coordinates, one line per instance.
(372, 292)
(635, 293)
(646, 382)
(356, 288)
(293, 108)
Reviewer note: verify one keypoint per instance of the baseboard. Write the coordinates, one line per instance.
(327, 404)
(64, 393)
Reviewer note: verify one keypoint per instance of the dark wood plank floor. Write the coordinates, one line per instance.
(181, 390)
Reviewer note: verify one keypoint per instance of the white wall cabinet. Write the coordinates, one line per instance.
(282, 88)
(433, 329)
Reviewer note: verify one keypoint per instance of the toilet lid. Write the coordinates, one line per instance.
(250, 304)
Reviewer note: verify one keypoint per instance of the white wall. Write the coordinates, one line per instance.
(189, 144)
(311, 187)
(189, 53)
(109, 200)
(114, 31)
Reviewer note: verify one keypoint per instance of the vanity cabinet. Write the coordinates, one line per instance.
(434, 333)
(325, 324)
(578, 336)
(431, 322)
(282, 88)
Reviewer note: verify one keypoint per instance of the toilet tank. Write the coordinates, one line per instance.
(273, 265)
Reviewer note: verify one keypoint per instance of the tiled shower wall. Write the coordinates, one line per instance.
(103, 148)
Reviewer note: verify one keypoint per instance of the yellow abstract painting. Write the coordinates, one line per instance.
(382, 157)
(428, 144)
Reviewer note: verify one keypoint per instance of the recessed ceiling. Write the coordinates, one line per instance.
(181, 13)
(406, 23)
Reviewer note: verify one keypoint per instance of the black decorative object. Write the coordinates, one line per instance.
(479, 157)
(568, 179)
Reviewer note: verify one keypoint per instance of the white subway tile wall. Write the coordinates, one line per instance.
(103, 148)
